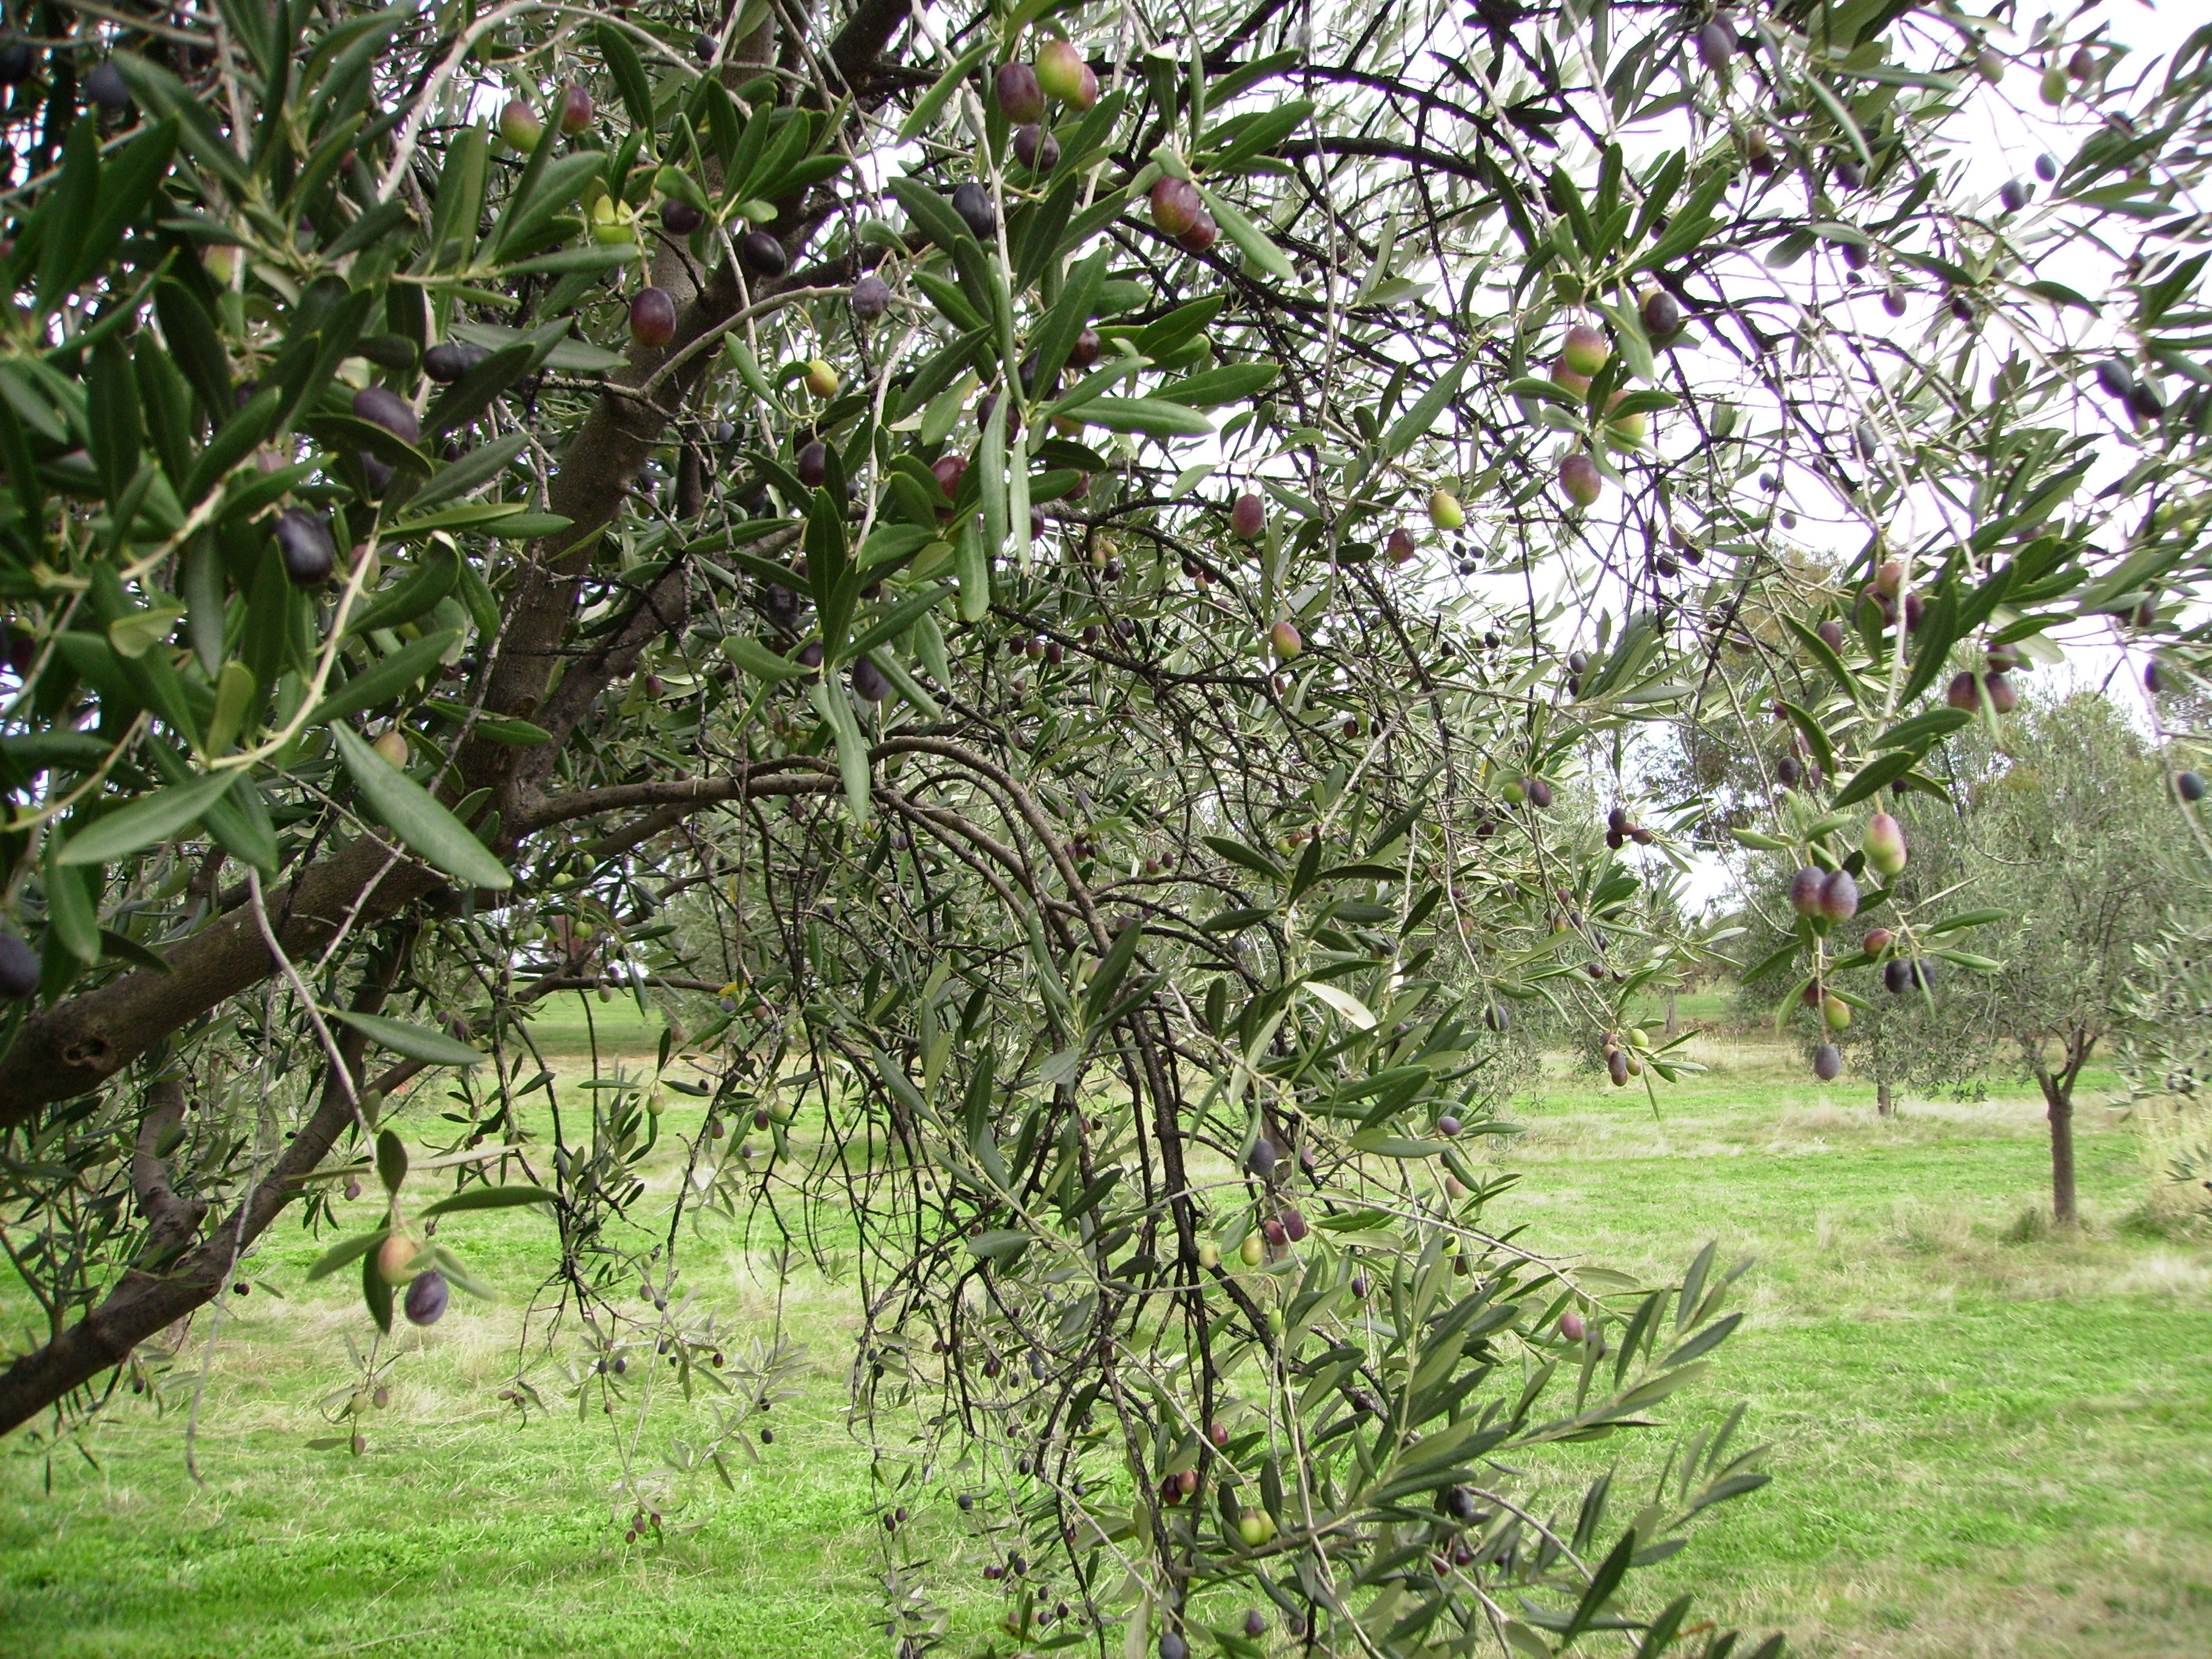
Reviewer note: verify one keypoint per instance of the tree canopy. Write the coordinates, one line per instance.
(1087, 577)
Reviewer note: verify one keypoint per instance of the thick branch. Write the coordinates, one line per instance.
(144, 1302)
(74, 1047)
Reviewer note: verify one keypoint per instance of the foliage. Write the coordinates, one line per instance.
(1119, 883)
(2058, 833)
(2164, 1055)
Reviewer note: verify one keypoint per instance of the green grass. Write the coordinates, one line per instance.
(1980, 1446)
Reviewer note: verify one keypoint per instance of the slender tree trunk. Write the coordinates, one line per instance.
(2059, 1109)
(1671, 1027)
(1884, 1104)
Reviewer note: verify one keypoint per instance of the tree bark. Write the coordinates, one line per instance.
(1884, 1104)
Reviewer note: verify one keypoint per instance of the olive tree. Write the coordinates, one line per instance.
(1049, 562)
(2069, 831)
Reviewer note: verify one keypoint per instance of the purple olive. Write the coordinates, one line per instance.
(19, 968)
(1716, 43)
(869, 682)
(1805, 889)
(1839, 897)
(426, 1297)
(872, 297)
(1827, 1063)
(105, 86)
(680, 218)
(1261, 1160)
(813, 463)
(1020, 99)
(1035, 149)
(575, 109)
(381, 406)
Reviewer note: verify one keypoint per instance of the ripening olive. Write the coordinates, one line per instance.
(575, 109)
(653, 317)
(1839, 896)
(1805, 890)
(1061, 72)
(395, 1258)
(1175, 205)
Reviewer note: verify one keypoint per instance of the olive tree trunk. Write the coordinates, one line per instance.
(2059, 1109)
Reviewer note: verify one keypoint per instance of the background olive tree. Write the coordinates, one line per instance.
(1087, 587)
(2062, 844)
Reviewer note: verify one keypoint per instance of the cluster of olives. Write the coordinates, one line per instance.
(1625, 1060)
(1620, 829)
(1827, 897)
(426, 1290)
(1021, 90)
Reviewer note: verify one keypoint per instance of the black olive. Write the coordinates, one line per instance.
(305, 542)
(762, 254)
(973, 203)
(446, 363)
(382, 406)
(105, 86)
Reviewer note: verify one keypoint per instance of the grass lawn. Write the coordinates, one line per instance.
(1986, 1441)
